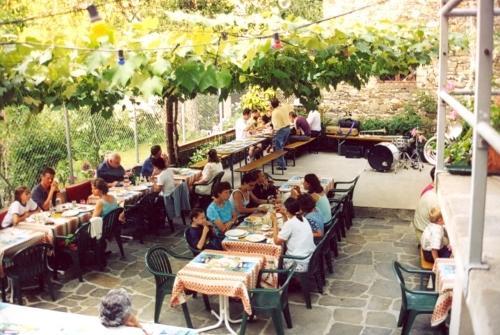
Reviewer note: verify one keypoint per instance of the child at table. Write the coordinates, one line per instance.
(22, 207)
(433, 241)
(200, 235)
(296, 233)
(308, 209)
(221, 212)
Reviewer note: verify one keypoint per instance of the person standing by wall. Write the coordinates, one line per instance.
(281, 126)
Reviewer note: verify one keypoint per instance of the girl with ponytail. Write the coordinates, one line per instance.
(296, 233)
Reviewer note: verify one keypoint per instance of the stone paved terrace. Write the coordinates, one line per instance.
(361, 297)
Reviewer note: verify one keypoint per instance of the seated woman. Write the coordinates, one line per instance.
(164, 182)
(116, 313)
(200, 235)
(308, 209)
(211, 169)
(105, 203)
(22, 207)
(241, 197)
(296, 233)
(264, 189)
(220, 212)
(313, 186)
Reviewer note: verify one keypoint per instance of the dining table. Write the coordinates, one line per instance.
(17, 320)
(61, 221)
(222, 273)
(232, 148)
(445, 271)
(255, 236)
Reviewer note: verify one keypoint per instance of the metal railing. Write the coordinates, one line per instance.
(483, 133)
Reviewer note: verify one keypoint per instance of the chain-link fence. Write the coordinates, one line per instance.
(31, 142)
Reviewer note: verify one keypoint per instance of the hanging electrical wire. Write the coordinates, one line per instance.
(94, 16)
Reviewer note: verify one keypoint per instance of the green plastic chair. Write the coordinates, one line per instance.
(315, 271)
(414, 302)
(273, 301)
(158, 264)
(344, 195)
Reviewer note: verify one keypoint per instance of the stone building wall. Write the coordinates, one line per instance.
(386, 98)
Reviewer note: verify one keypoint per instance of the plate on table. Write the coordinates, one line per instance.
(266, 206)
(236, 233)
(255, 238)
(253, 219)
(70, 213)
(266, 227)
(138, 188)
(85, 208)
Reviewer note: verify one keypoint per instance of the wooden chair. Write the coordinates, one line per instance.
(79, 192)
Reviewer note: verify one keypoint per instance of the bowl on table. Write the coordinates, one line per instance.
(255, 238)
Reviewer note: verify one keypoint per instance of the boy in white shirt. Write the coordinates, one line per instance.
(433, 241)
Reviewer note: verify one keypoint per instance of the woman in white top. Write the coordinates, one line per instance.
(240, 198)
(296, 233)
(211, 169)
(165, 182)
(22, 207)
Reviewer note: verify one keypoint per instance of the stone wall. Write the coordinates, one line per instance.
(386, 98)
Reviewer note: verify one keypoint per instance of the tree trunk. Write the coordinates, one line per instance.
(168, 103)
(176, 131)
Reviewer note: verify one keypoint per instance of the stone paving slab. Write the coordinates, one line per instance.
(360, 297)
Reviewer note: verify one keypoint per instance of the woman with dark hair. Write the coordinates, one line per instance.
(296, 233)
(106, 202)
(221, 212)
(22, 207)
(241, 197)
(308, 208)
(165, 182)
(211, 169)
(313, 186)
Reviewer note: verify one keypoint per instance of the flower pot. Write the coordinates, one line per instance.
(493, 161)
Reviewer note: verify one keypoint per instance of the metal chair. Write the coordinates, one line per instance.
(413, 302)
(26, 266)
(273, 301)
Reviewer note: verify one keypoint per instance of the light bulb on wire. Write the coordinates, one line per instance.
(93, 13)
(121, 57)
(276, 42)
(284, 4)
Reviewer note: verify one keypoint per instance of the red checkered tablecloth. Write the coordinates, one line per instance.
(219, 273)
(444, 268)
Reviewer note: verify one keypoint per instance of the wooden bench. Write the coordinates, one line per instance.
(201, 164)
(259, 163)
(294, 146)
(371, 139)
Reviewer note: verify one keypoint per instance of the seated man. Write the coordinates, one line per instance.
(427, 201)
(111, 170)
(45, 193)
(264, 189)
(147, 167)
(244, 127)
(302, 128)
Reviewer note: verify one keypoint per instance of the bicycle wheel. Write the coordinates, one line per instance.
(430, 151)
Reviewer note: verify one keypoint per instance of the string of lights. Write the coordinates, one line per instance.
(222, 37)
